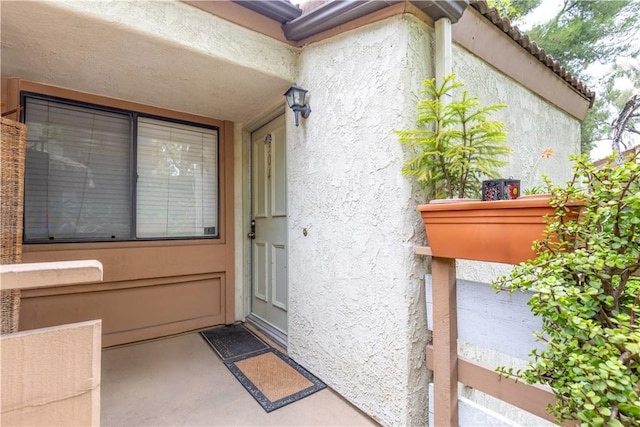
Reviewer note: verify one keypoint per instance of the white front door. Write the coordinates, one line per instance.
(269, 289)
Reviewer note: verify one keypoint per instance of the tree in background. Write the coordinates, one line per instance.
(627, 123)
(594, 40)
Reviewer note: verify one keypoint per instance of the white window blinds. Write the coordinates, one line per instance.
(177, 187)
(77, 174)
(99, 174)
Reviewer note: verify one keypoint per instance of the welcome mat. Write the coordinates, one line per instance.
(272, 378)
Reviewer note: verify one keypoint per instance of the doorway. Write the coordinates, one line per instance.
(269, 283)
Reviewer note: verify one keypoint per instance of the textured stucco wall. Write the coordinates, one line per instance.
(182, 24)
(163, 53)
(533, 125)
(357, 315)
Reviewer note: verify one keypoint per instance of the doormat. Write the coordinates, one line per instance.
(273, 379)
(233, 341)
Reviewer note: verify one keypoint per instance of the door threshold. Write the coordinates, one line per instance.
(270, 331)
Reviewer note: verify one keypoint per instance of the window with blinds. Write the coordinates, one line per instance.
(177, 180)
(80, 184)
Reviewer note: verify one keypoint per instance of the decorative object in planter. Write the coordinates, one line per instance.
(500, 189)
(457, 146)
(586, 279)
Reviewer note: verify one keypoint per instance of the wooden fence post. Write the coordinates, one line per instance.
(445, 342)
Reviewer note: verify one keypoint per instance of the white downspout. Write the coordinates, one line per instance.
(444, 57)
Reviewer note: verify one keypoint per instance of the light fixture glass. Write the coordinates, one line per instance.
(295, 96)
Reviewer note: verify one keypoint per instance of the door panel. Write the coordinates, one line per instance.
(260, 260)
(279, 273)
(269, 299)
(279, 168)
(259, 179)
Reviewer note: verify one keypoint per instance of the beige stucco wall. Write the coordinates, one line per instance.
(357, 316)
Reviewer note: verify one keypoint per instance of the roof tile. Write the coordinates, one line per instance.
(532, 47)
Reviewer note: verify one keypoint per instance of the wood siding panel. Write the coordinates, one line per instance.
(133, 313)
(135, 262)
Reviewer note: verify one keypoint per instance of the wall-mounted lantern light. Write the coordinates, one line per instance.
(295, 98)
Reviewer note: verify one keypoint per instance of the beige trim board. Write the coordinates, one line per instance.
(135, 262)
(256, 22)
(9, 88)
(227, 214)
(242, 16)
(112, 286)
(485, 40)
(45, 274)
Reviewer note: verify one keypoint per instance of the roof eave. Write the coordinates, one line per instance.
(451, 9)
(278, 10)
(330, 15)
(298, 26)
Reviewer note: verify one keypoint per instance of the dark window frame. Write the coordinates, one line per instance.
(133, 116)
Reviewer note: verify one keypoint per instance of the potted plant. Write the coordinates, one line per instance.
(457, 147)
(587, 292)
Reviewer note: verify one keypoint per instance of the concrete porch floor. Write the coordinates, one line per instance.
(181, 381)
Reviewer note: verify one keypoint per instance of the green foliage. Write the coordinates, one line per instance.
(626, 124)
(457, 145)
(536, 189)
(588, 296)
(514, 9)
(594, 126)
(586, 32)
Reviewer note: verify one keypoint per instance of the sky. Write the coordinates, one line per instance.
(544, 12)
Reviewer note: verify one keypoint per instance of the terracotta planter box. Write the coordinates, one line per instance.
(497, 231)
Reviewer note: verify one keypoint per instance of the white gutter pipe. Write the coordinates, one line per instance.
(444, 56)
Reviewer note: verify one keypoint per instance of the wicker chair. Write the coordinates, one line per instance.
(12, 160)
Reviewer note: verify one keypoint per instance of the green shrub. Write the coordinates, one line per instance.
(587, 294)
